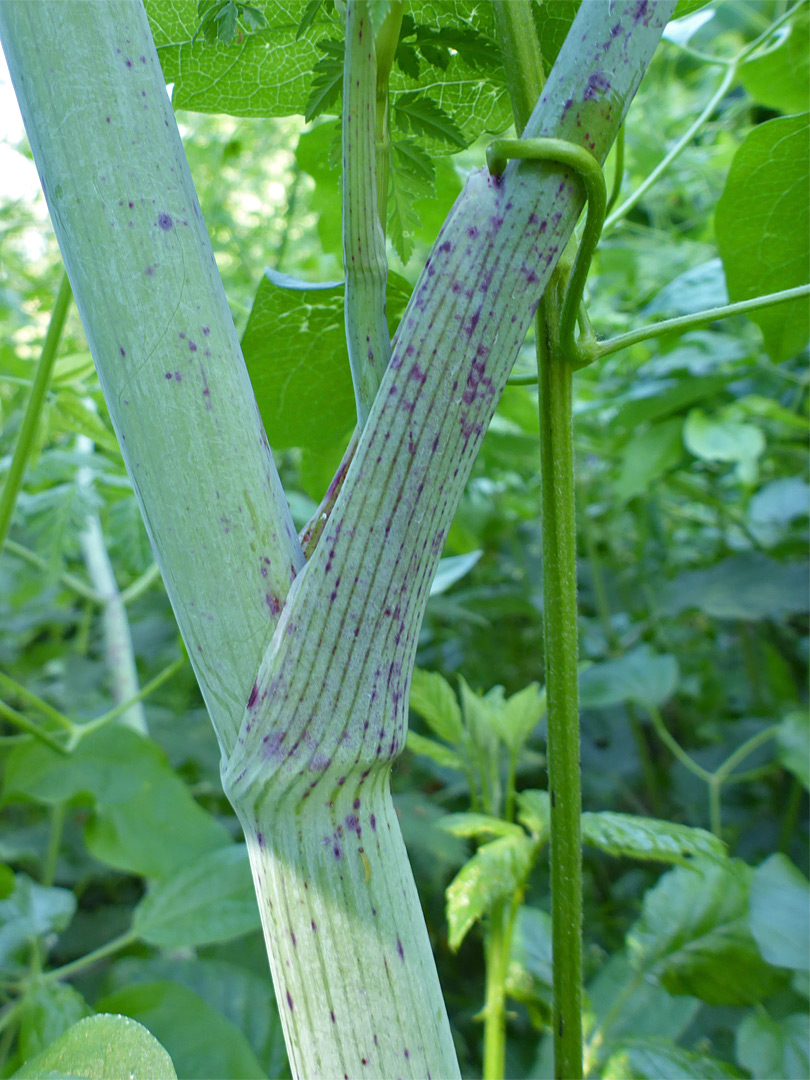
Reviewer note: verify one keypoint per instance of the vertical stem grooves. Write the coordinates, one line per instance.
(364, 259)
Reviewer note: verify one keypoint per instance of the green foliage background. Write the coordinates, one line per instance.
(693, 514)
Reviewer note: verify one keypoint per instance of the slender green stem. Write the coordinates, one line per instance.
(700, 318)
(24, 724)
(25, 440)
(51, 858)
(497, 953)
(618, 171)
(725, 83)
(70, 581)
(791, 815)
(522, 59)
(716, 808)
(743, 750)
(140, 584)
(13, 687)
(385, 45)
(81, 731)
(91, 958)
(675, 748)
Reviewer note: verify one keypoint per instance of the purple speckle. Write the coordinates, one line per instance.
(446, 246)
(273, 603)
(260, 839)
(206, 330)
(373, 822)
(533, 218)
(192, 345)
(472, 231)
(165, 222)
(128, 63)
(400, 950)
(168, 375)
(123, 351)
(332, 1015)
(254, 693)
(289, 1001)
(143, 59)
(598, 83)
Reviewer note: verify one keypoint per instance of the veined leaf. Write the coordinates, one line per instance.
(519, 716)
(417, 113)
(497, 870)
(103, 1048)
(535, 813)
(328, 79)
(477, 826)
(649, 838)
(438, 752)
(768, 1047)
(433, 699)
(641, 675)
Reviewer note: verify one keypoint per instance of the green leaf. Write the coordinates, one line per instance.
(646, 1008)
(648, 456)
(241, 996)
(661, 1059)
(534, 812)
(693, 936)
(423, 116)
(519, 715)
(717, 439)
(780, 913)
(437, 752)
(553, 21)
(145, 820)
(452, 568)
(478, 826)
(781, 78)
(531, 947)
(211, 900)
(202, 1043)
(793, 740)
(103, 1048)
(694, 290)
(763, 228)
(767, 1047)
(780, 502)
(747, 587)
(649, 838)
(640, 675)
(30, 913)
(327, 82)
(433, 699)
(47, 1010)
(498, 870)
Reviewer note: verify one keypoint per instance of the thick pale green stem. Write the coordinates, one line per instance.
(386, 46)
(143, 273)
(364, 260)
(22, 450)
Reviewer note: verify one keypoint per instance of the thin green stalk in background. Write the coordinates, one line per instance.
(25, 440)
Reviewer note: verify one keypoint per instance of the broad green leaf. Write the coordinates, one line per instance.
(781, 78)
(793, 740)
(241, 995)
(145, 820)
(647, 457)
(646, 1008)
(479, 826)
(763, 228)
(295, 351)
(498, 870)
(747, 587)
(767, 1047)
(534, 812)
(553, 21)
(437, 752)
(718, 439)
(30, 913)
(433, 699)
(694, 290)
(780, 913)
(47, 1010)
(202, 1043)
(649, 838)
(640, 675)
(7, 881)
(654, 400)
(661, 1059)
(211, 900)
(693, 936)
(780, 502)
(103, 1048)
(519, 716)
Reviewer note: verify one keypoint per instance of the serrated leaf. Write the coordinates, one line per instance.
(413, 161)
(103, 1048)
(85, 421)
(212, 899)
(433, 699)
(423, 116)
(498, 870)
(307, 19)
(519, 716)
(649, 838)
(437, 752)
(640, 675)
(693, 936)
(327, 82)
(763, 228)
(780, 913)
(47, 1010)
(478, 826)
(661, 1059)
(30, 913)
